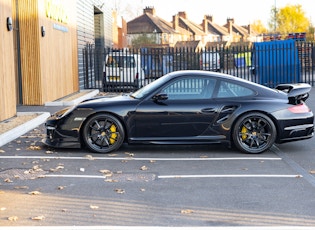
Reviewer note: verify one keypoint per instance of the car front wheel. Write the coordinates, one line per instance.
(103, 133)
(254, 133)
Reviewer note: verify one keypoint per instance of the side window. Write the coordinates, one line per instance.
(228, 89)
(190, 88)
(121, 61)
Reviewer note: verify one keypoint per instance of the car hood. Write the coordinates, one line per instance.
(105, 99)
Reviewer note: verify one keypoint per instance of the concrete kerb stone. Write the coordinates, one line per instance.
(41, 118)
(75, 101)
(24, 128)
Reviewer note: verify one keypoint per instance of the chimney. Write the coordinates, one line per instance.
(209, 18)
(205, 25)
(175, 22)
(149, 10)
(249, 29)
(182, 14)
(230, 22)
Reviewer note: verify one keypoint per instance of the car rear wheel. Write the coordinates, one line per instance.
(103, 133)
(254, 133)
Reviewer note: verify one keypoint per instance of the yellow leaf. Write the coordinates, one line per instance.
(38, 217)
(144, 168)
(7, 180)
(187, 211)
(35, 193)
(13, 218)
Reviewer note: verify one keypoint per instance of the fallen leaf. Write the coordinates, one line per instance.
(61, 187)
(186, 211)
(112, 155)
(119, 190)
(144, 168)
(312, 171)
(38, 218)
(34, 147)
(82, 169)
(2, 151)
(111, 180)
(94, 207)
(34, 193)
(204, 156)
(57, 168)
(7, 180)
(49, 152)
(142, 189)
(90, 157)
(152, 161)
(13, 218)
(105, 171)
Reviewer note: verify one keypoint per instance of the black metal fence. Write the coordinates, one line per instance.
(266, 63)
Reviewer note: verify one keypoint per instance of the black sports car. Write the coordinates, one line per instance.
(188, 107)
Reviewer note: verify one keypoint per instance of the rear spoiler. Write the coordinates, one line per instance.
(296, 92)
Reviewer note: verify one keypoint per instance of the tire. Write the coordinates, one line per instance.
(254, 133)
(103, 133)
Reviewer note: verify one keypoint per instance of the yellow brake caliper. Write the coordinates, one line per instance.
(244, 131)
(113, 136)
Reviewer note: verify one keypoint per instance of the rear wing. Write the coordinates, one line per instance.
(296, 92)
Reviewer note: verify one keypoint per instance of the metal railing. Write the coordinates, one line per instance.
(266, 63)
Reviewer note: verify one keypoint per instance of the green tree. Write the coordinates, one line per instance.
(289, 19)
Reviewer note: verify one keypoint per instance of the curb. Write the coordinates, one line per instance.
(24, 128)
(75, 101)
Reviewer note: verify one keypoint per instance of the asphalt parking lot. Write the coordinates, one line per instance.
(191, 186)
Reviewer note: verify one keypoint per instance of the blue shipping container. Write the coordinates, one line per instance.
(276, 62)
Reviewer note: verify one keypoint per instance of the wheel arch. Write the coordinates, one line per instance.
(274, 120)
(101, 112)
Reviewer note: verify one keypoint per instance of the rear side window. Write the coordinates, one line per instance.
(121, 61)
(228, 89)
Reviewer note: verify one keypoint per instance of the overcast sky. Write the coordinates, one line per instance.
(244, 12)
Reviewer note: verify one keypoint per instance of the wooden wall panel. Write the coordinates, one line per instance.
(8, 97)
(49, 63)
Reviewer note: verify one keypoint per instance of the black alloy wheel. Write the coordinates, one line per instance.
(254, 133)
(103, 133)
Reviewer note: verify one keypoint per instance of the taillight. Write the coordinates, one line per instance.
(301, 108)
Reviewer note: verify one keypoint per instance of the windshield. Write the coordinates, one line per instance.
(144, 91)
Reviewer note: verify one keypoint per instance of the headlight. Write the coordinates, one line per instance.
(64, 112)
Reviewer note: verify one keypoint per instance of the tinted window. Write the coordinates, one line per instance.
(121, 61)
(228, 89)
(190, 88)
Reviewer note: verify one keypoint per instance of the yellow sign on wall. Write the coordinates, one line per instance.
(56, 10)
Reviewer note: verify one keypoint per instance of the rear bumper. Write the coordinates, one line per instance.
(295, 132)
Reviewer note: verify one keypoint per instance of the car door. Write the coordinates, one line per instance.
(182, 108)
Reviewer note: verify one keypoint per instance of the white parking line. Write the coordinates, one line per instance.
(145, 158)
(227, 176)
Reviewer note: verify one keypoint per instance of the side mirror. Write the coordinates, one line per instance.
(160, 97)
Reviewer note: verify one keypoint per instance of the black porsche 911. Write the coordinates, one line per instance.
(187, 107)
